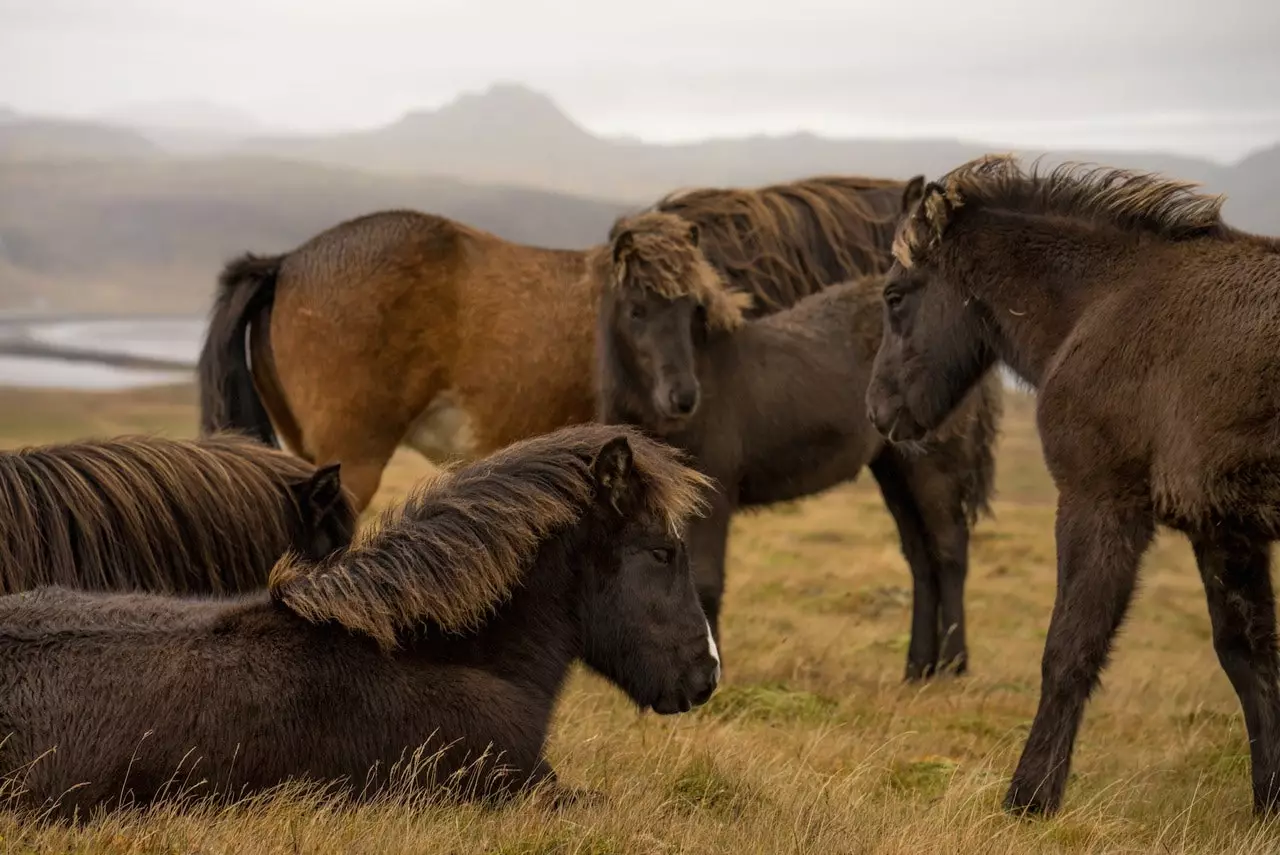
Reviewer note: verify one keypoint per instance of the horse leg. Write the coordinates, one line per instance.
(889, 471)
(1100, 546)
(362, 457)
(1236, 571)
(708, 542)
(946, 531)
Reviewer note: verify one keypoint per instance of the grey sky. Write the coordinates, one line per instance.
(1194, 76)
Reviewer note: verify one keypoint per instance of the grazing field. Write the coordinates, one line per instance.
(812, 744)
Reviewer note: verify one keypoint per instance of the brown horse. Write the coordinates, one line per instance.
(772, 409)
(403, 328)
(163, 515)
(1149, 327)
(449, 627)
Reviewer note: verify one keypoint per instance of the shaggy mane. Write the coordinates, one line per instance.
(1122, 198)
(140, 512)
(757, 249)
(461, 544)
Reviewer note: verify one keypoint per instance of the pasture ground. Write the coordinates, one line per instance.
(812, 744)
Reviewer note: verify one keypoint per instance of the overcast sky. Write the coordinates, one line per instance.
(1201, 77)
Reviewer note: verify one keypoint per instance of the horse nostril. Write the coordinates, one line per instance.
(684, 400)
(704, 694)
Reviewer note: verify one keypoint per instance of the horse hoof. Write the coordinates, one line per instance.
(560, 796)
(919, 671)
(1030, 807)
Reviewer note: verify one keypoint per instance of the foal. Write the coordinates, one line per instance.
(1150, 329)
(451, 625)
(772, 409)
(164, 515)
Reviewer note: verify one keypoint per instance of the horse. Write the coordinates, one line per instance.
(163, 515)
(473, 342)
(446, 628)
(1149, 328)
(771, 409)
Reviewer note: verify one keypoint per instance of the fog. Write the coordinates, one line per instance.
(1191, 77)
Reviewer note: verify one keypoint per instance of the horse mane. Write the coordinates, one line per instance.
(144, 512)
(461, 544)
(1121, 198)
(745, 251)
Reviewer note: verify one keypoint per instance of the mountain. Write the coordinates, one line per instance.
(94, 216)
(509, 134)
(27, 139)
(152, 236)
(188, 126)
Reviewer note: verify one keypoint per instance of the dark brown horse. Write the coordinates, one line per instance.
(1150, 329)
(163, 515)
(448, 627)
(404, 328)
(772, 409)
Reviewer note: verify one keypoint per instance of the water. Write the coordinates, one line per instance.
(82, 376)
(163, 338)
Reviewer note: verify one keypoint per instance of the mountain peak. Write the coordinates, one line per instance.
(502, 107)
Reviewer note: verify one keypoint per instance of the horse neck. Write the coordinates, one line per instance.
(534, 636)
(816, 370)
(1035, 277)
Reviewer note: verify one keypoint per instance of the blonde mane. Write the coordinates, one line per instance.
(460, 545)
(740, 252)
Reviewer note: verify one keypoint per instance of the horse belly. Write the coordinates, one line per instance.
(444, 431)
(807, 469)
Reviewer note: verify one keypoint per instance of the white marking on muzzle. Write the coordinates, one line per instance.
(715, 651)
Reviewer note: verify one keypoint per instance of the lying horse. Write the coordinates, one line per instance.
(1149, 327)
(449, 626)
(163, 515)
(772, 409)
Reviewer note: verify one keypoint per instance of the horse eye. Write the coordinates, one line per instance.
(637, 311)
(662, 555)
(893, 299)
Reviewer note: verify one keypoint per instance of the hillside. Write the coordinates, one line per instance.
(103, 217)
(26, 139)
(512, 135)
(151, 236)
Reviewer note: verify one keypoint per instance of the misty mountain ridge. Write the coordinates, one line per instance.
(510, 134)
(192, 126)
(102, 217)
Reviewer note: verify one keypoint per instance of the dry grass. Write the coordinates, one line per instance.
(812, 744)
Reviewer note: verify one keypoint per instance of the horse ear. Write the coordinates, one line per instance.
(621, 244)
(912, 194)
(695, 234)
(612, 469)
(937, 207)
(322, 492)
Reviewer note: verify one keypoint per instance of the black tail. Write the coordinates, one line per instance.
(228, 399)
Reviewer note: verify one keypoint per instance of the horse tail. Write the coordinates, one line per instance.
(980, 481)
(228, 397)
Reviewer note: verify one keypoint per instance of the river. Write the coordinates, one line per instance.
(175, 340)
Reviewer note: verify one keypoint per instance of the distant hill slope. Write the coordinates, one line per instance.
(97, 217)
(26, 139)
(512, 135)
(152, 236)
